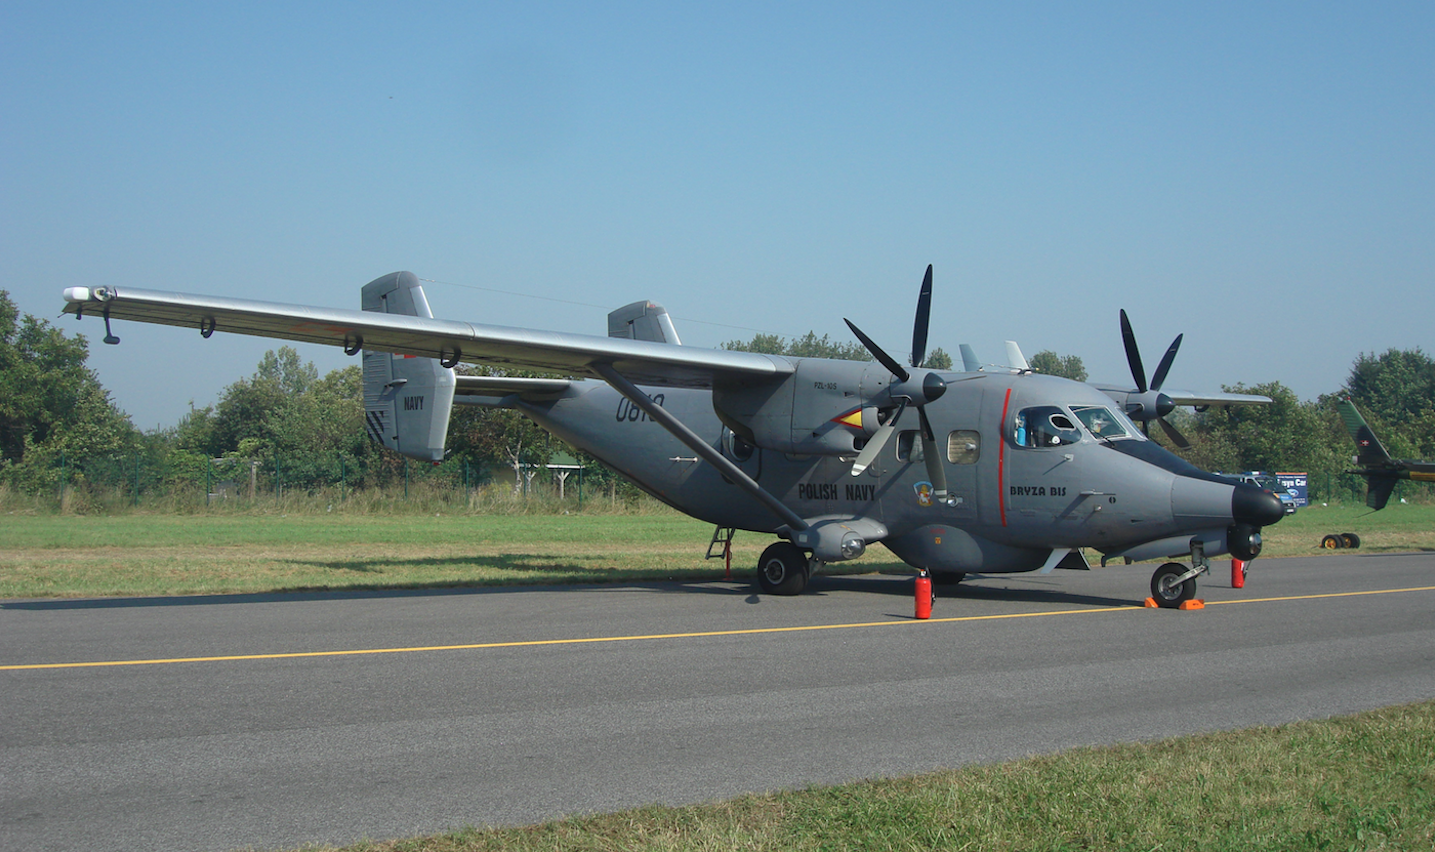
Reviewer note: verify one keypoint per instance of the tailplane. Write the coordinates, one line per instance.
(407, 400)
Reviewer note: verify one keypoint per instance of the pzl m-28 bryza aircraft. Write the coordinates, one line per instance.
(1000, 472)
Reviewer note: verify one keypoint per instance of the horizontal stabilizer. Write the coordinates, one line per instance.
(502, 391)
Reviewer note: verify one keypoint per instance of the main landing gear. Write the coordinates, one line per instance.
(783, 569)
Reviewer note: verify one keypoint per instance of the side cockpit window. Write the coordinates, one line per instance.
(1044, 426)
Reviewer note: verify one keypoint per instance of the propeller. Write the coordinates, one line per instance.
(908, 390)
(1148, 403)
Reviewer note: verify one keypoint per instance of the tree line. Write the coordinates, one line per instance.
(286, 423)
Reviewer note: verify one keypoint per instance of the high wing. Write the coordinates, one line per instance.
(449, 341)
(1195, 398)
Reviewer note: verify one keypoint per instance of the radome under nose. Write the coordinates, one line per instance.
(1255, 506)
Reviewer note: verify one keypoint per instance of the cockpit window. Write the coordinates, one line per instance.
(1044, 426)
(1101, 421)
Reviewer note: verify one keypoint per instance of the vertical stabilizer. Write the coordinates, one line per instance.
(1369, 450)
(643, 321)
(407, 400)
(969, 359)
(1014, 359)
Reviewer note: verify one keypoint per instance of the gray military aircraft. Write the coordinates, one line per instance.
(1381, 472)
(1000, 473)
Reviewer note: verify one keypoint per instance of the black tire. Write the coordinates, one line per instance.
(1332, 542)
(1167, 593)
(948, 578)
(1352, 540)
(782, 570)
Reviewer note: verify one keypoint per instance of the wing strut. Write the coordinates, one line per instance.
(704, 450)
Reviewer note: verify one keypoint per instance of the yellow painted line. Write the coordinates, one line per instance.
(1326, 595)
(704, 634)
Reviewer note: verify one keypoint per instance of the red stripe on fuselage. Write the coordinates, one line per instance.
(1001, 458)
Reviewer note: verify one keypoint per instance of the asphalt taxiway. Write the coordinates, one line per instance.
(269, 721)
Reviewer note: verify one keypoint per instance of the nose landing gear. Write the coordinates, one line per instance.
(1173, 583)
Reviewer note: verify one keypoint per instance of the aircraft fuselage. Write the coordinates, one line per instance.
(1014, 498)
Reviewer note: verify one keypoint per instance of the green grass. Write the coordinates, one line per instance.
(1362, 782)
(137, 554)
(270, 548)
(1396, 528)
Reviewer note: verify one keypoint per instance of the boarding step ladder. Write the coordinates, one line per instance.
(722, 543)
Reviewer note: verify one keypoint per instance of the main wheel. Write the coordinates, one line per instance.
(1332, 542)
(782, 570)
(1352, 540)
(1167, 591)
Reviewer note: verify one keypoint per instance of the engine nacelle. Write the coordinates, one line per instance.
(824, 408)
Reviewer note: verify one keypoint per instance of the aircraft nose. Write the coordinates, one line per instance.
(1255, 506)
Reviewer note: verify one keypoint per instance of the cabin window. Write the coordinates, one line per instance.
(964, 446)
(909, 446)
(1044, 426)
(735, 447)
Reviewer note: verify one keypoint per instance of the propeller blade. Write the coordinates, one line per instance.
(1176, 437)
(1165, 365)
(924, 315)
(882, 357)
(935, 472)
(879, 440)
(1133, 354)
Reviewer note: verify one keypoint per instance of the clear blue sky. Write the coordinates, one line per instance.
(1258, 176)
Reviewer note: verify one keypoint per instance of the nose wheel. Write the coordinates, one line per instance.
(1173, 584)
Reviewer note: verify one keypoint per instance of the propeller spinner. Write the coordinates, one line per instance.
(1148, 403)
(908, 390)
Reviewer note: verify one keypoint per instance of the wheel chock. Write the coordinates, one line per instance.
(1194, 603)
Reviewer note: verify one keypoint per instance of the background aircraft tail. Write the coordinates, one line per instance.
(1369, 451)
(407, 400)
(1379, 468)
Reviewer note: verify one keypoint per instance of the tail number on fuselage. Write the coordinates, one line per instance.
(630, 413)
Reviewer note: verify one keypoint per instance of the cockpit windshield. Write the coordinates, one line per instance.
(1053, 426)
(1103, 422)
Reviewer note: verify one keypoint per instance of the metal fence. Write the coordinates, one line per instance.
(138, 479)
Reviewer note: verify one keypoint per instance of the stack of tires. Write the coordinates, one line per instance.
(1340, 541)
